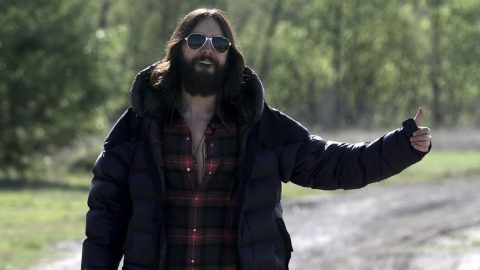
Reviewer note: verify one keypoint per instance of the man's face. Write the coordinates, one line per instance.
(214, 60)
(203, 69)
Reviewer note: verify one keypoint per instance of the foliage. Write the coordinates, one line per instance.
(366, 63)
(66, 66)
(48, 83)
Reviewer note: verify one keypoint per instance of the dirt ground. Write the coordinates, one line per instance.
(419, 226)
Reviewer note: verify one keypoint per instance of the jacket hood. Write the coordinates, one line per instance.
(148, 101)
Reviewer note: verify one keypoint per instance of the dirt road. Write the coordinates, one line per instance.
(421, 226)
(389, 227)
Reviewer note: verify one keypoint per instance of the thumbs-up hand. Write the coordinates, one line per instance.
(421, 138)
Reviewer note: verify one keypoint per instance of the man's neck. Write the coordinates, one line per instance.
(197, 107)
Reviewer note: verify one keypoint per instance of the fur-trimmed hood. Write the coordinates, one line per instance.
(148, 101)
(274, 129)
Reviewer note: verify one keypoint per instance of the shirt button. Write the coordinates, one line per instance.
(196, 198)
(188, 138)
(209, 172)
(194, 230)
(188, 169)
(211, 145)
(192, 261)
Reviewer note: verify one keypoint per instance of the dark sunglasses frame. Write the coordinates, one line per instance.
(211, 39)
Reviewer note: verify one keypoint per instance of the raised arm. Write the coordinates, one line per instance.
(332, 165)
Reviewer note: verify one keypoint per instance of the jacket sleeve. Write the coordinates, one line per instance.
(330, 165)
(108, 200)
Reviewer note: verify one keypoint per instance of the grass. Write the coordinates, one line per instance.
(33, 218)
(434, 166)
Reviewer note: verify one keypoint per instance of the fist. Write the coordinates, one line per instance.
(421, 138)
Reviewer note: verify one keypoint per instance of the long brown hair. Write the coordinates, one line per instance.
(166, 75)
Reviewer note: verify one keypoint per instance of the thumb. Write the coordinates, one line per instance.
(419, 116)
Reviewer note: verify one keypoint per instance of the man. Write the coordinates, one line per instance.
(190, 176)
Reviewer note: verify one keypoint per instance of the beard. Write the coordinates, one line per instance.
(201, 82)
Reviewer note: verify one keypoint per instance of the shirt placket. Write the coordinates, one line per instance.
(194, 234)
(212, 156)
(209, 143)
(189, 159)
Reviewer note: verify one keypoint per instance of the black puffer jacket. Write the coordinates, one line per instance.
(125, 200)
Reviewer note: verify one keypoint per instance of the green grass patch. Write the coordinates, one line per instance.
(437, 165)
(34, 218)
(441, 165)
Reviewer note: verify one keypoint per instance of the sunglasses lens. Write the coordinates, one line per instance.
(195, 41)
(221, 44)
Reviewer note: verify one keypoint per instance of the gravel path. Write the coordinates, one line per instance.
(389, 227)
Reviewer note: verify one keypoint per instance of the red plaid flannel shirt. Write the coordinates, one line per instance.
(200, 217)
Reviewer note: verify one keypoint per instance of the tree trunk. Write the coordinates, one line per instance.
(262, 61)
(436, 62)
(104, 9)
(336, 94)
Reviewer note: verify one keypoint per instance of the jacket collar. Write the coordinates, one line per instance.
(275, 128)
(148, 101)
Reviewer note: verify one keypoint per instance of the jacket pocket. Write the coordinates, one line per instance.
(287, 241)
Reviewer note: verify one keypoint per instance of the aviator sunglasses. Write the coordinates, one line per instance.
(196, 41)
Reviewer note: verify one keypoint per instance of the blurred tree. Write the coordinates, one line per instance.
(48, 81)
(340, 63)
(454, 74)
(66, 66)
